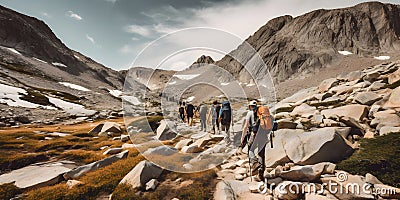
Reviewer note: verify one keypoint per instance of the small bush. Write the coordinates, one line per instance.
(379, 156)
(8, 191)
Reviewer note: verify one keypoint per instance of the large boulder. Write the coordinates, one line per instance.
(166, 130)
(80, 171)
(277, 155)
(385, 118)
(37, 175)
(141, 174)
(394, 77)
(354, 111)
(394, 100)
(193, 148)
(367, 98)
(308, 172)
(322, 145)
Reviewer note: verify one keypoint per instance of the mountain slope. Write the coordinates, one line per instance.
(291, 46)
(49, 74)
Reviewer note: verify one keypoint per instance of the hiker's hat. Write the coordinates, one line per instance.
(253, 103)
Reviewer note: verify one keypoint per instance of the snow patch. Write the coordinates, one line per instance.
(59, 64)
(345, 53)
(71, 108)
(172, 83)
(11, 96)
(225, 84)
(77, 57)
(220, 96)
(186, 76)
(37, 59)
(74, 86)
(382, 57)
(250, 84)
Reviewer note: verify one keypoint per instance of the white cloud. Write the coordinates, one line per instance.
(144, 31)
(126, 49)
(91, 39)
(74, 15)
(135, 39)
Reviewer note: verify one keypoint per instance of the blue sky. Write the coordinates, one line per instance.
(113, 32)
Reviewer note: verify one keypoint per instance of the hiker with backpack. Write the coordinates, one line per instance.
(203, 116)
(218, 109)
(181, 110)
(226, 119)
(212, 115)
(189, 113)
(256, 130)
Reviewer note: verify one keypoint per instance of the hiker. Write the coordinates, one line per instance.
(218, 109)
(226, 119)
(203, 117)
(212, 115)
(258, 124)
(181, 110)
(189, 113)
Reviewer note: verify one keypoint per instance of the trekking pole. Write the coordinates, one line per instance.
(248, 155)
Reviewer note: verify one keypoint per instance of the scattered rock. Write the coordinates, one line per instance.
(152, 184)
(367, 98)
(142, 173)
(79, 171)
(369, 178)
(183, 143)
(113, 151)
(309, 172)
(73, 183)
(304, 110)
(107, 127)
(327, 84)
(394, 100)
(191, 149)
(224, 191)
(354, 111)
(161, 150)
(287, 190)
(166, 130)
(388, 129)
(228, 165)
(37, 175)
(286, 124)
(124, 138)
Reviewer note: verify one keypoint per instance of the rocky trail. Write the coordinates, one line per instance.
(318, 128)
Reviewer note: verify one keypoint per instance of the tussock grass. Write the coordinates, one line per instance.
(379, 156)
(201, 189)
(83, 156)
(8, 191)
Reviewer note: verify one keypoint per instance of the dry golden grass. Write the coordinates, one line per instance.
(103, 180)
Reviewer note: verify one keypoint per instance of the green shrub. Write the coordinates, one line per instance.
(379, 156)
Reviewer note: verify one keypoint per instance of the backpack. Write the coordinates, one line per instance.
(264, 118)
(225, 113)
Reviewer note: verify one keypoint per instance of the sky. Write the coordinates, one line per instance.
(115, 32)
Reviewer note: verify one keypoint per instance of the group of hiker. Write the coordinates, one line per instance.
(218, 115)
(257, 129)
